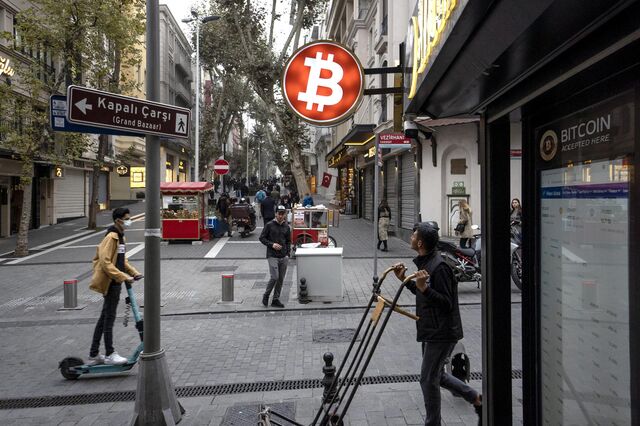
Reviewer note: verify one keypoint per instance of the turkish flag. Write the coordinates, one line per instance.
(326, 180)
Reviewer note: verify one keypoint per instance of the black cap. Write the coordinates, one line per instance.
(428, 233)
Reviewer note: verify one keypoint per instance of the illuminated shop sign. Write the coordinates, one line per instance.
(5, 68)
(426, 35)
(137, 179)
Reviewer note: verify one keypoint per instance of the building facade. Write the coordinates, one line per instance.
(558, 89)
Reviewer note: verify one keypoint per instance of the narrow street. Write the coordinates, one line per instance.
(241, 345)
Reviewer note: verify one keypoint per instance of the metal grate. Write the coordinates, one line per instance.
(334, 335)
(247, 414)
(207, 390)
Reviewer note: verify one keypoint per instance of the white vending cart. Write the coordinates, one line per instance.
(322, 269)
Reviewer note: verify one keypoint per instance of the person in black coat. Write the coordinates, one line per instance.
(276, 236)
(439, 326)
(268, 209)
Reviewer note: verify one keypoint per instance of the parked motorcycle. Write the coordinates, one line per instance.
(516, 253)
(243, 218)
(465, 262)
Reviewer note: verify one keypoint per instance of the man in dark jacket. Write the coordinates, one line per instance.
(276, 235)
(267, 209)
(439, 326)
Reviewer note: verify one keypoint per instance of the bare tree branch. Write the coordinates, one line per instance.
(297, 24)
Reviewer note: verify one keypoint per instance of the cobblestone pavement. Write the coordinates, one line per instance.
(213, 343)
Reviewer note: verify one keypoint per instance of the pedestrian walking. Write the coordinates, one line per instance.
(384, 219)
(439, 326)
(224, 207)
(110, 269)
(268, 209)
(276, 235)
(516, 211)
(463, 229)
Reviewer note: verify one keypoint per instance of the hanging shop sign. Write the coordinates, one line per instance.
(58, 172)
(123, 170)
(394, 141)
(428, 30)
(137, 179)
(323, 83)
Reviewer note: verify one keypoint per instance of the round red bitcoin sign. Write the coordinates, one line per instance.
(323, 83)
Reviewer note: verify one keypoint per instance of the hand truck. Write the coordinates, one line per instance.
(332, 413)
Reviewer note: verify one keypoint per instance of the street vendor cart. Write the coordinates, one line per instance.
(183, 210)
(311, 225)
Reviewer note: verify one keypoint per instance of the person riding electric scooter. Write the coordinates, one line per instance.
(71, 367)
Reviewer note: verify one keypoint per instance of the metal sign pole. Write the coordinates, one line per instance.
(156, 402)
(376, 183)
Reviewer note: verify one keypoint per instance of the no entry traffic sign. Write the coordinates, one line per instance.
(221, 167)
(323, 83)
(104, 109)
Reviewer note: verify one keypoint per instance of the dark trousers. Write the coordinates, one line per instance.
(104, 326)
(384, 242)
(266, 220)
(463, 242)
(433, 376)
(277, 271)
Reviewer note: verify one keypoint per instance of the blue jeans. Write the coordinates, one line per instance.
(433, 376)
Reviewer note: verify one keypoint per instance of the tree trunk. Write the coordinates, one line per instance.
(297, 168)
(95, 179)
(22, 243)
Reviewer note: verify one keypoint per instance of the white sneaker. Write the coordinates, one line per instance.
(115, 359)
(95, 360)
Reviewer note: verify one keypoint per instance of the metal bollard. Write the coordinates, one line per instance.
(303, 294)
(227, 287)
(71, 294)
(329, 371)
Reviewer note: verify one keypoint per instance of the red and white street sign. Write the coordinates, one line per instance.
(221, 167)
(394, 140)
(323, 83)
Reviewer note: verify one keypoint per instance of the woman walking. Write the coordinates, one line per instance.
(384, 218)
(464, 225)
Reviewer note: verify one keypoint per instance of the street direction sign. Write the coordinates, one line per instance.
(108, 110)
(221, 167)
(59, 122)
(323, 83)
(394, 141)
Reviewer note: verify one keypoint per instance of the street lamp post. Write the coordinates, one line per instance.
(195, 18)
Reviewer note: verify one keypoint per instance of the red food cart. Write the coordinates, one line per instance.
(184, 210)
(311, 225)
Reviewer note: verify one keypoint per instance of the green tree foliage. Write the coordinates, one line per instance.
(252, 55)
(93, 40)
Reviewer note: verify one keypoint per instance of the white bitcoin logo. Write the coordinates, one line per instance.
(311, 96)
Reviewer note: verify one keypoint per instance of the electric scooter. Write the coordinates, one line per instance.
(72, 367)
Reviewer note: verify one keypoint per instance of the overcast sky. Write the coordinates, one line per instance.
(182, 9)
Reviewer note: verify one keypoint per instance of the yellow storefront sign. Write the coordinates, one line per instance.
(426, 30)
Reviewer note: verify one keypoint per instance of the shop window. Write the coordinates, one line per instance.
(458, 166)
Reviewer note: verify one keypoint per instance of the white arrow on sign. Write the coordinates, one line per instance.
(84, 106)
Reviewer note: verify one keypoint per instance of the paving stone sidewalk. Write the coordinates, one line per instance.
(47, 234)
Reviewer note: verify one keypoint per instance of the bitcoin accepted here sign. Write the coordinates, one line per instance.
(104, 109)
(323, 83)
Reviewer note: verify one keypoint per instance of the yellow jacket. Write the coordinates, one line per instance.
(104, 265)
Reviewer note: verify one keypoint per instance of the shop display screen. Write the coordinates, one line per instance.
(584, 294)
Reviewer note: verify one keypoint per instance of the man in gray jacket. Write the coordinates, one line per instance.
(276, 235)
